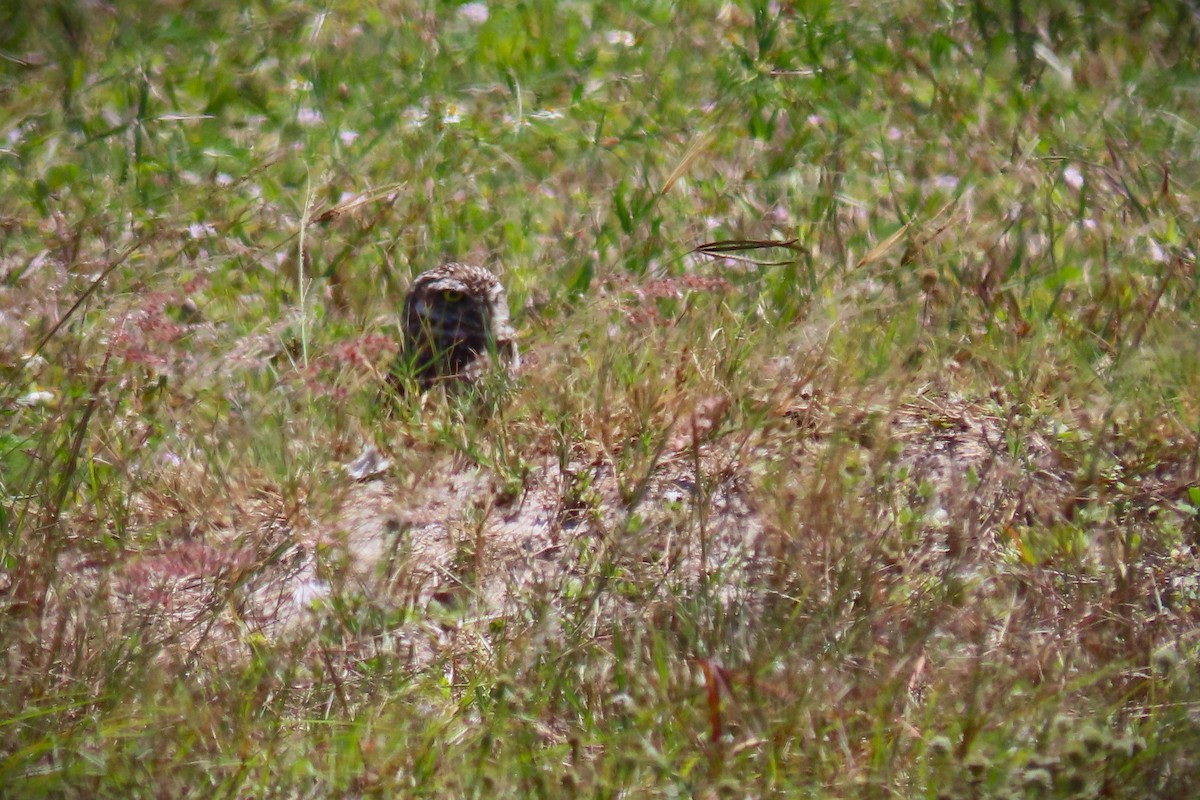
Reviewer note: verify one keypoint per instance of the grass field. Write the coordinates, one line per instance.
(891, 490)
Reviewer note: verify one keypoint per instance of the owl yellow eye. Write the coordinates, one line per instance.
(451, 296)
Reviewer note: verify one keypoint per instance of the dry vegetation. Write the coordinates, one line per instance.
(890, 490)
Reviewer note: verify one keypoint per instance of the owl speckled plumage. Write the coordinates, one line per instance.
(455, 320)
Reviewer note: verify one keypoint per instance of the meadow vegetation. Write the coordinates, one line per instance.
(854, 452)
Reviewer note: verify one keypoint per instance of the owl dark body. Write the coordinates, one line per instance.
(455, 322)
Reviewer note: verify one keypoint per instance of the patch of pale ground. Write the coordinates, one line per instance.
(444, 554)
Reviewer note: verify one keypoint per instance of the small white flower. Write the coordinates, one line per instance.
(474, 13)
(547, 113)
(414, 116)
(201, 230)
(308, 116)
(515, 123)
(224, 179)
(1073, 177)
(452, 115)
(620, 38)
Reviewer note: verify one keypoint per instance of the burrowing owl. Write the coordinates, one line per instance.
(455, 320)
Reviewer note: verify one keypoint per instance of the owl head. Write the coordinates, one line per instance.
(455, 322)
